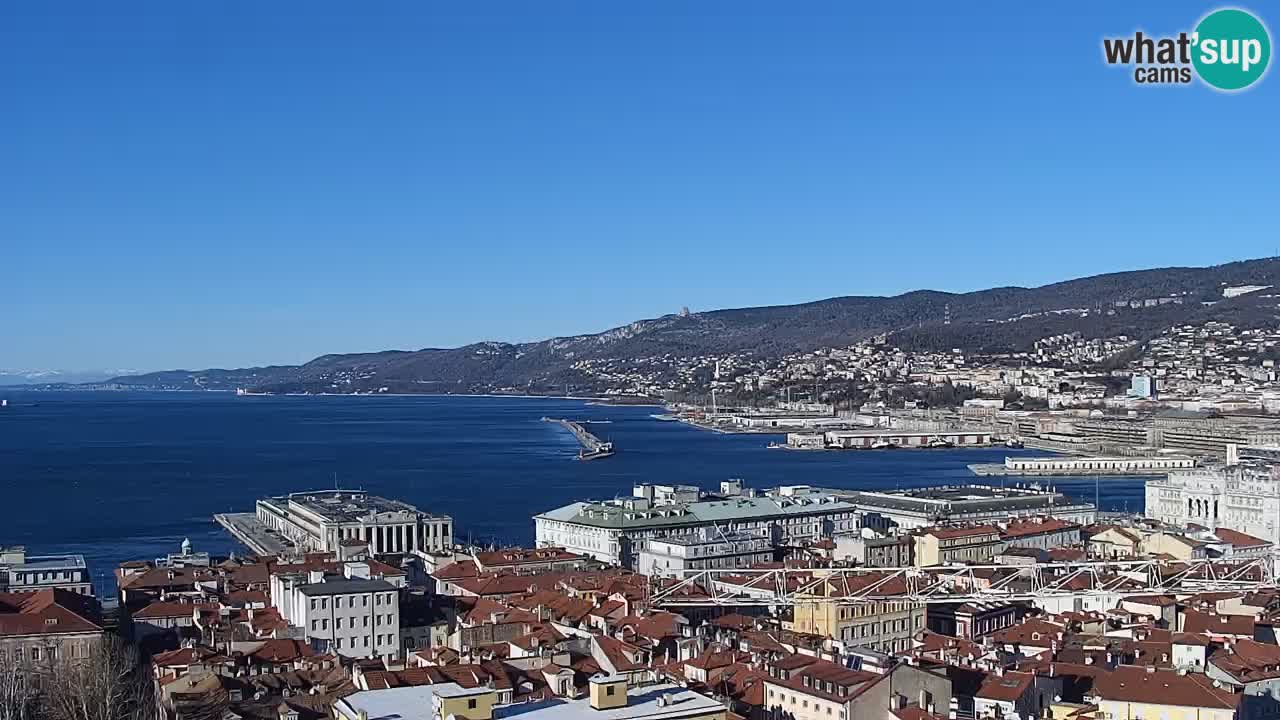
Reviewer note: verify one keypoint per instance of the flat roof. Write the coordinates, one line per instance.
(48, 562)
(346, 586)
(340, 506)
(418, 703)
(702, 512)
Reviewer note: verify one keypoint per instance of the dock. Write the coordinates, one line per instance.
(250, 532)
(593, 448)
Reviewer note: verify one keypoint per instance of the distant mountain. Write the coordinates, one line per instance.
(45, 377)
(1138, 303)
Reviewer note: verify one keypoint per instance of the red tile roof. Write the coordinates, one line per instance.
(48, 612)
(1128, 683)
(1007, 688)
(1239, 539)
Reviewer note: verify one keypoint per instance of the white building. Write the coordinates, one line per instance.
(321, 520)
(702, 551)
(616, 531)
(350, 614)
(20, 572)
(1243, 497)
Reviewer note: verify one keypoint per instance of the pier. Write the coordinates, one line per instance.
(593, 447)
(249, 530)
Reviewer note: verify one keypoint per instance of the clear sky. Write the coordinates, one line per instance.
(229, 183)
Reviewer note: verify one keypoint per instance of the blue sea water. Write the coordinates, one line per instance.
(122, 476)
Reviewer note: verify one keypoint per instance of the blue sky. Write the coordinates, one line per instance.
(223, 184)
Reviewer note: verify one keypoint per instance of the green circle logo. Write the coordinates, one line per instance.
(1232, 49)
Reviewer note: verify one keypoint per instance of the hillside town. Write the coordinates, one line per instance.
(1210, 367)
(956, 602)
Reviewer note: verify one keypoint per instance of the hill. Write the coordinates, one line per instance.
(1137, 303)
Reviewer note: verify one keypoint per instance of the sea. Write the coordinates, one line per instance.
(121, 476)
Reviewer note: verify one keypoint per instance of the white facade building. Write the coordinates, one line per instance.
(350, 614)
(20, 572)
(321, 520)
(616, 531)
(704, 551)
(1243, 497)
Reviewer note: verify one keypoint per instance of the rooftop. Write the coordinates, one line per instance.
(418, 703)
(341, 506)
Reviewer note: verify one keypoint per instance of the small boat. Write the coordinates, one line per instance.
(938, 442)
(883, 445)
(1013, 443)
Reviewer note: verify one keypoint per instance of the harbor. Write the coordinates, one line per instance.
(593, 448)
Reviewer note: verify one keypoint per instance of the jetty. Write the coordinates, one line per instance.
(593, 448)
(252, 533)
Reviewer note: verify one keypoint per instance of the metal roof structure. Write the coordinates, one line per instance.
(781, 587)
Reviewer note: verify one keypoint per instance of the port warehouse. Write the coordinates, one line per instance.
(855, 439)
(617, 530)
(1172, 431)
(1122, 465)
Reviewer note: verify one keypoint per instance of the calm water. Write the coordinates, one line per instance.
(120, 476)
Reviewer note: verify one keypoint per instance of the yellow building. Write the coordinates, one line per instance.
(945, 545)
(884, 625)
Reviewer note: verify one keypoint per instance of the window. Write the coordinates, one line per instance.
(608, 690)
(377, 599)
(35, 653)
(337, 643)
(315, 624)
(364, 601)
(366, 620)
(471, 703)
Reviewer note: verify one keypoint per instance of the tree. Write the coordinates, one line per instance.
(17, 695)
(113, 683)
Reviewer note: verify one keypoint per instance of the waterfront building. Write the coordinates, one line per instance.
(704, 550)
(352, 614)
(23, 573)
(320, 520)
(1097, 465)
(960, 504)
(864, 439)
(615, 531)
(1243, 497)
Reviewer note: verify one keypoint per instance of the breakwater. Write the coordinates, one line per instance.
(592, 446)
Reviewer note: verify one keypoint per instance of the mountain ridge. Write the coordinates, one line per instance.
(1001, 319)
